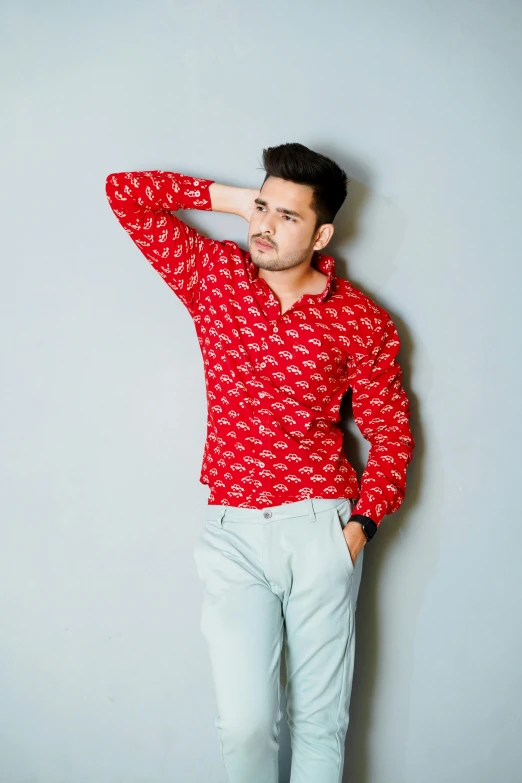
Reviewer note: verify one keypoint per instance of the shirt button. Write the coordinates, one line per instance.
(267, 514)
(276, 328)
(261, 428)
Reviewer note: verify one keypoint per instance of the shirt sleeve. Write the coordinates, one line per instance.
(143, 202)
(381, 411)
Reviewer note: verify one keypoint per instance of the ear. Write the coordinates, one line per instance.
(324, 234)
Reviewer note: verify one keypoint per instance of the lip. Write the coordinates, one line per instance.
(263, 245)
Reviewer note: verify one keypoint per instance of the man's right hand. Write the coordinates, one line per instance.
(236, 201)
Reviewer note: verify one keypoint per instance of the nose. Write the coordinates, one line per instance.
(266, 226)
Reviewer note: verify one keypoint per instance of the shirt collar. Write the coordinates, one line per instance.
(324, 263)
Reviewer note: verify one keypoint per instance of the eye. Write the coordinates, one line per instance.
(291, 219)
(258, 206)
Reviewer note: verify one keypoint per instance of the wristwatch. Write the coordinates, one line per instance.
(368, 525)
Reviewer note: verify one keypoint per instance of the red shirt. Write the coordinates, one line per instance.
(275, 382)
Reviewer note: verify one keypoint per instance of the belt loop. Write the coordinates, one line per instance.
(311, 510)
(221, 515)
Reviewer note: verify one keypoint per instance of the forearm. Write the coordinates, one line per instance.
(135, 192)
(236, 201)
(131, 191)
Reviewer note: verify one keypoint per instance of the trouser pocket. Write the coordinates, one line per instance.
(342, 514)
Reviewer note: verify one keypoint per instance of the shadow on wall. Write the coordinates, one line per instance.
(362, 206)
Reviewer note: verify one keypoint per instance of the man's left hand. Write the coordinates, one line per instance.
(355, 539)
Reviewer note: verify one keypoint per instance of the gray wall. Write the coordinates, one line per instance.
(104, 674)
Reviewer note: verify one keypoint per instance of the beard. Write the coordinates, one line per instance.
(273, 262)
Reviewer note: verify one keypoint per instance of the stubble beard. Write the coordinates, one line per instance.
(276, 263)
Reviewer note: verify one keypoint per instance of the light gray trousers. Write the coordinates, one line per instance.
(282, 567)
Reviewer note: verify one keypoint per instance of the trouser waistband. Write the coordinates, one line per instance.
(300, 508)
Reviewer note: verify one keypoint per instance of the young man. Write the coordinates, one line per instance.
(283, 338)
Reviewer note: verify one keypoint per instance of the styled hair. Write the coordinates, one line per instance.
(297, 163)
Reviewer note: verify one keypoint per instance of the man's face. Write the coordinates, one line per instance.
(283, 218)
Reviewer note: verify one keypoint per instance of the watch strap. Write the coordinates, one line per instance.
(368, 525)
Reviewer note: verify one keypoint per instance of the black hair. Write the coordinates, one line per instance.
(297, 163)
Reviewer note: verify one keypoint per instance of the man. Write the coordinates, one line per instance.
(283, 338)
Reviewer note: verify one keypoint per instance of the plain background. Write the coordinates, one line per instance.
(104, 675)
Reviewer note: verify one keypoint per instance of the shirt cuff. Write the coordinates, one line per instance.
(369, 508)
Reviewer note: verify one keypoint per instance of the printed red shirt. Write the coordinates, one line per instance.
(275, 381)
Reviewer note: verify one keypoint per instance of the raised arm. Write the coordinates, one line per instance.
(143, 202)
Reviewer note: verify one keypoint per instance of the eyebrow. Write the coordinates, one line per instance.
(284, 210)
